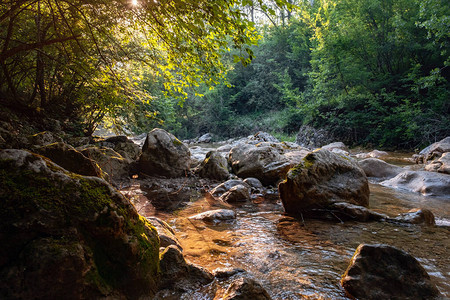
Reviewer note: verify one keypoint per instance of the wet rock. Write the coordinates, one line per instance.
(372, 154)
(70, 235)
(246, 288)
(347, 211)
(227, 185)
(238, 193)
(198, 155)
(264, 163)
(70, 159)
(441, 165)
(165, 232)
(214, 166)
(215, 216)
(417, 216)
(115, 167)
(206, 138)
(323, 178)
(163, 154)
(224, 273)
(254, 184)
(384, 272)
(312, 138)
(374, 167)
(117, 139)
(177, 274)
(426, 183)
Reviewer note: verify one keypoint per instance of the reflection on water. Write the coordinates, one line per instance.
(304, 259)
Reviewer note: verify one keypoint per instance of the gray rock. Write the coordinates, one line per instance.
(114, 166)
(224, 273)
(238, 193)
(227, 185)
(163, 154)
(426, 183)
(334, 146)
(264, 163)
(323, 178)
(417, 216)
(436, 149)
(347, 211)
(262, 136)
(254, 184)
(385, 272)
(244, 289)
(215, 216)
(206, 138)
(374, 167)
(214, 166)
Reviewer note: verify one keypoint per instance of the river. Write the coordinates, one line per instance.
(305, 259)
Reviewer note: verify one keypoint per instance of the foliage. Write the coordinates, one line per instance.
(77, 56)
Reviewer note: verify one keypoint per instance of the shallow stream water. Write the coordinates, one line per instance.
(305, 259)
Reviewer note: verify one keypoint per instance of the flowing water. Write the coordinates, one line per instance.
(305, 259)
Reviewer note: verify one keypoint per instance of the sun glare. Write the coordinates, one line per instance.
(134, 2)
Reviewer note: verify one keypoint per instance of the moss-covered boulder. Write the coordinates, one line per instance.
(322, 179)
(66, 236)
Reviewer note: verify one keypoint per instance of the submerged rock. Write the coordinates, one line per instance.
(215, 215)
(426, 183)
(65, 234)
(163, 154)
(246, 288)
(323, 178)
(384, 272)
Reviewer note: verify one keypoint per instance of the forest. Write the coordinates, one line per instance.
(371, 72)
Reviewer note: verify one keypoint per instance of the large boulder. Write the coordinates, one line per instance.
(377, 168)
(426, 183)
(65, 235)
(163, 154)
(214, 166)
(70, 159)
(385, 272)
(322, 179)
(262, 162)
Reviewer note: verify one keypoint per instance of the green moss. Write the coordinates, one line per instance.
(80, 202)
(177, 142)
